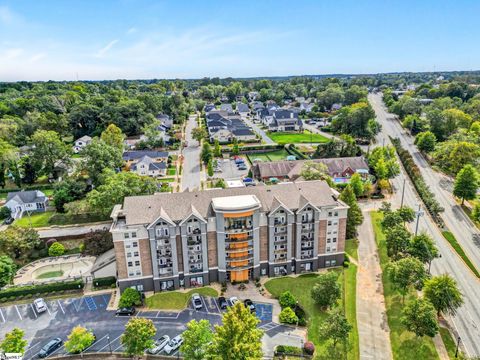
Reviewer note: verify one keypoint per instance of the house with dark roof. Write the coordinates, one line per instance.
(242, 109)
(224, 127)
(282, 120)
(30, 200)
(146, 166)
(226, 107)
(133, 156)
(209, 107)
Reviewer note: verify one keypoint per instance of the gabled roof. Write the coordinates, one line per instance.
(152, 164)
(242, 108)
(137, 154)
(226, 107)
(242, 132)
(27, 196)
(84, 138)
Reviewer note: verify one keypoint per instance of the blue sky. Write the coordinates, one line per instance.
(107, 39)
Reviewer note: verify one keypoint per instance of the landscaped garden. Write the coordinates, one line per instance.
(50, 274)
(176, 300)
(294, 137)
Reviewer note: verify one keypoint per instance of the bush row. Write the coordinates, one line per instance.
(254, 148)
(293, 150)
(105, 281)
(288, 350)
(422, 188)
(28, 187)
(16, 291)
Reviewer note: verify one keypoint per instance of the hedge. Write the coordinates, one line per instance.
(288, 350)
(16, 291)
(293, 150)
(105, 281)
(253, 148)
(28, 187)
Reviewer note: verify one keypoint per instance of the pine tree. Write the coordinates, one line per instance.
(354, 215)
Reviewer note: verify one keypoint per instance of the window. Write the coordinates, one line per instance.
(327, 263)
(137, 263)
(329, 223)
(129, 254)
(134, 244)
(134, 234)
(336, 214)
(334, 262)
(127, 246)
(329, 213)
(126, 236)
(264, 271)
(334, 239)
(328, 248)
(138, 273)
(135, 253)
(328, 241)
(130, 263)
(131, 273)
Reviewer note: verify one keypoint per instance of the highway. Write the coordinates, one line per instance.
(467, 320)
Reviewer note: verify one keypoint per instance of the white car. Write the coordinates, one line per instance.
(40, 305)
(197, 301)
(159, 345)
(233, 300)
(173, 345)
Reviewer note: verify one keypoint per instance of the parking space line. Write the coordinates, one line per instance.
(218, 307)
(34, 312)
(3, 317)
(49, 313)
(63, 345)
(111, 342)
(31, 347)
(61, 307)
(74, 304)
(104, 300)
(205, 304)
(18, 312)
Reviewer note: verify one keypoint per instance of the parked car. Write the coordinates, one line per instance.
(159, 345)
(242, 167)
(50, 347)
(217, 169)
(248, 181)
(197, 302)
(239, 161)
(173, 344)
(125, 311)
(249, 304)
(222, 302)
(40, 305)
(233, 300)
(8, 221)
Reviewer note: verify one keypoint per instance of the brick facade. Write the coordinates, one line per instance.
(145, 255)
(212, 249)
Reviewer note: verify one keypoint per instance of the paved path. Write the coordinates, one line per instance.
(71, 230)
(316, 130)
(374, 333)
(191, 175)
(259, 131)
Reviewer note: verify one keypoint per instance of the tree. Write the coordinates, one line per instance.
(420, 318)
(355, 94)
(426, 141)
(314, 171)
(97, 242)
(210, 168)
(390, 220)
(196, 340)
(476, 212)
(79, 339)
(235, 148)
(115, 187)
(357, 185)
(48, 150)
(288, 316)
(335, 328)
(199, 133)
(130, 297)
(406, 213)
(354, 214)
(397, 239)
(113, 137)
(206, 153)
(238, 338)
(98, 156)
(17, 242)
(5, 212)
(138, 336)
(287, 299)
(357, 120)
(442, 291)
(423, 248)
(67, 191)
(405, 273)
(14, 342)
(466, 183)
(326, 291)
(7, 270)
(56, 249)
(217, 149)
(384, 162)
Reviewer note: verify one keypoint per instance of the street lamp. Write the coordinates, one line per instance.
(418, 213)
(456, 350)
(109, 344)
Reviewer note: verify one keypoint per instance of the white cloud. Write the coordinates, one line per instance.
(37, 57)
(103, 51)
(132, 30)
(6, 15)
(12, 53)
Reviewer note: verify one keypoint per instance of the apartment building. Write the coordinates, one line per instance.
(171, 240)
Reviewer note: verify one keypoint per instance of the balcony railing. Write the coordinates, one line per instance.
(195, 231)
(232, 230)
(162, 235)
(307, 229)
(165, 272)
(240, 267)
(239, 237)
(246, 257)
(162, 243)
(307, 247)
(280, 230)
(165, 266)
(195, 270)
(278, 222)
(280, 260)
(161, 253)
(307, 220)
(280, 251)
(306, 256)
(195, 261)
(232, 250)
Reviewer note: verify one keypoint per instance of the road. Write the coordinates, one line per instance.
(467, 320)
(56, 232)
(259, 131)
(316, 130)
(191, 175)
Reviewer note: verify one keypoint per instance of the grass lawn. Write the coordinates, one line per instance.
(50, 274)
(458, 248)
(300, 287)
(50, 218)
(351, 247)
(36, 219)
(450, 343)
(176, 300)
(270, 156)
(171, 171)
(405, 345)
(292, 138)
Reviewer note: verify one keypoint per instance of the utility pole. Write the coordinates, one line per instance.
(403, 192)
(456, 350)
(418, 213)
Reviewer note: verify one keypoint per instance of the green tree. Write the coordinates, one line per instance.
(398, 240)
(14, 342)
(314, 171)
(238, 338)
(67, 191)
(210, 168)
(326, 291)
(287, 299)
(391, 219)
(17, 242)
(206, 153)
(130, 297)
(79, 339)
(235, 148)
(357, 120)
(115, 187)
(56, 249)
(406, 213)
(288, 316)
(357, 185)
(199, 133)
(48, 149)
(354, 214)
(335, 328)
(426, 141)
(405, 273)
(423, 248)
(466, 183)
(196, 340)
(98, 156)
(420, 318)
(442, 291)
(138, 336)
(7, 270)
(217, 149)
(355, 94)
(476, 212)
(5, 212)
(113, 137)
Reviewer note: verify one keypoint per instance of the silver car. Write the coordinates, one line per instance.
(197, 301)
(159, 345)
(40, 305)
(173, 345)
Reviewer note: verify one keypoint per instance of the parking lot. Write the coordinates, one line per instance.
(230, 171)
(91, 312)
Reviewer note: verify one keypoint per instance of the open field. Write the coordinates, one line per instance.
(293, 138)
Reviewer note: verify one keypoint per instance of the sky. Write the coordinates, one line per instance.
(144, 39)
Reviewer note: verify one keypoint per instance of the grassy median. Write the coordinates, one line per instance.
(176, 300)
(458, 248)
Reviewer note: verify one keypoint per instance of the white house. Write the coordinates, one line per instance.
(81, 143)
(20, 201)
(146, 166)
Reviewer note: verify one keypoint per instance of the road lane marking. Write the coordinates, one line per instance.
(63, 345)
(34, 313)
(215, 302)
(61, 307)
(3, 317)
(205, 304)
(18, 312)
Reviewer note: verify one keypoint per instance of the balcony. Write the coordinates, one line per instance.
(162, 243)
(280, 251)
(307, 247)
(165, 266)
(307, 220)
(195, 270)
(238, 230)
(194, 249)
(194, 240)
(161, 235)
(240, 267)
(163, 253)
(280, 260)
(278, 222)
(239, 237)
(307, 228)
(233, 250)
(246, 257)
(165, 272)
(280, 230)
(195, 261)
(194, 231)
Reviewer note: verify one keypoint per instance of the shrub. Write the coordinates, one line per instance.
(287, 316)
(309, 348)
(49, 242)
(286, 299)
(16, 291)
(56, 249)
(97, 242)
(130, 297)
(302, 316)
(105, 281)
(288, 350)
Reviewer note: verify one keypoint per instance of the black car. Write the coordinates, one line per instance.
(50, 347)
(8, 221)
(249, 304)
(222, 302)
(126, 311)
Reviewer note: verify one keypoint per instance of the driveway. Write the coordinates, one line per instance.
(259, 131)
(191, 175)
(54, 232)
(230, 170)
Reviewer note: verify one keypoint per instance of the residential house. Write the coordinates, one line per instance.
(133, 156)
(187, 239)
(226, 107)
(165, 121)
(242, 109)
(224, 127)
(81, 143)
(253, 95)
(29, 200)
(208, 107)
(146, 166)
(307, 107)
(283, 120)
